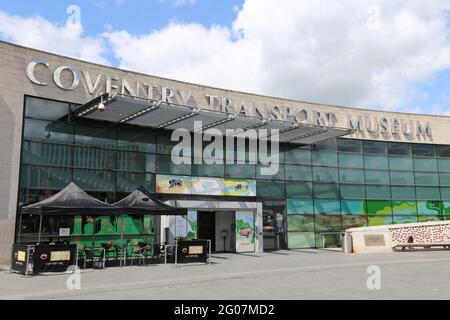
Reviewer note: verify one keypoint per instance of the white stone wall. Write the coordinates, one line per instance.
(365, 239)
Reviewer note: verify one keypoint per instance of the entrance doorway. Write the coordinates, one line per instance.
(206, 227)
(274, 229)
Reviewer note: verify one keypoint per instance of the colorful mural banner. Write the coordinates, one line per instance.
(245, 232)
(205, 186)
(173, 184)
(192, 229)
(239, 187)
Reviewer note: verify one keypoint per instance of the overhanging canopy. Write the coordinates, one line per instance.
(155, 114)
(143, 202)
(70, 201)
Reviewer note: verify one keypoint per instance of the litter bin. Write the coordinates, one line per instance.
(346, 242)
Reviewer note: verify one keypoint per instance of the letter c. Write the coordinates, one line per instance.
(30, 71)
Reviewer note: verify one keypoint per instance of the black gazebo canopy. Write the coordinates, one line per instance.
(72, 200)
(143, 202)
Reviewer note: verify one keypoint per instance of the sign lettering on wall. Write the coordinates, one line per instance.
(70, 78)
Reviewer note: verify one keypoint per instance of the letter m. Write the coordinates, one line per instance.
(355, 123)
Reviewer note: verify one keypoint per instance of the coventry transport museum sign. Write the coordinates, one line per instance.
(364, 125)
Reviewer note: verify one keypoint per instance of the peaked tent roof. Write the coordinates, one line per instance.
(72, 200)
(143, 202)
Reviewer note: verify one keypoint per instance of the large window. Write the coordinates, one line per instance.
(333, 185)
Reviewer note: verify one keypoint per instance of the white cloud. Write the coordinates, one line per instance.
(39, 33)
(351, 52)
(366, 53)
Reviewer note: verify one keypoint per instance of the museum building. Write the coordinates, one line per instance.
(110, 131)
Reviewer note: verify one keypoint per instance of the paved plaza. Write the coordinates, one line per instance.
(296, 274)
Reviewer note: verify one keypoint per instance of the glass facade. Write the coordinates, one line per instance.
(331, 186)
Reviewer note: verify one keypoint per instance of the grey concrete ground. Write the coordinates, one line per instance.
(300, 274)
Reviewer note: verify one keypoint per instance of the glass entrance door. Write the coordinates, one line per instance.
(274, 229)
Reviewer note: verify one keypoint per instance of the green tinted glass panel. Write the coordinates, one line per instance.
(244, 171)
(423, 218)
(446, 207)
(426, 178)
(403, 178)
(326, 145)
(444, 179)
(45, 131)
(328, 206)
(425, 193)
(423, 150)
(322, 174)
(378, 192)
(328, 240)
(299, 189)
(378, 207)
(211, 170)
(166, 166)
(300, 223)
(328, 222)
(425, 164)
(270, 188)
(430, 207)
(403, 193)
(94, 158)
(445, 193)
(96, 137)
(349, 145)
(298, 173)
(352, 191)
(326, 190)
(328, 159)
(95, 180)
(351, 175)
(443, 151)
(444, 165)
(46, 154)
(404, 207)
(297, 156)
(374, 221)
(45, 109)
(300, 206)
(351, 160)
(35, 177)
(399, 148)
(400, 163)
(404, 219)
(137, 141)
(375, 147)
(164, 144)
(129, 181)
(350, 207)
(352, 221)
(301, 240)
(376, 162)
(377, 177)
(272, 175)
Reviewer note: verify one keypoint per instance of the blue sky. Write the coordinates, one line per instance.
(394, 55)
